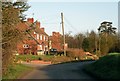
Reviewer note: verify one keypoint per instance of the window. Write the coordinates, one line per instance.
(34, 32)
(46, 46)
(37, 36)
(40, 37)
(44, 37)
(25, 46)
(40, 47)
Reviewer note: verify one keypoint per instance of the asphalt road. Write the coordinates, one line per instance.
(59, 71)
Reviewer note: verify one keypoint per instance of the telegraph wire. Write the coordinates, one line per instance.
(70, 25)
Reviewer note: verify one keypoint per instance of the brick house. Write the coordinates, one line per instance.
(36, 40)
(56, 41)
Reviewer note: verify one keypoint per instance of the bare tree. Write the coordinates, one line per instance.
(12, 15)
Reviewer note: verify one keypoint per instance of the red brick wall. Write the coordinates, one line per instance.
(33, 46)
(31, 49)
(56, 41)
(38, 24)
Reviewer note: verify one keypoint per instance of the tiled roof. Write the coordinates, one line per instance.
(37, 29)
(40, 31)
(22, 26)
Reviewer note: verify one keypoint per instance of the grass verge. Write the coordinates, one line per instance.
(52, 58)
(107, 67)
(15, 71)
(34, 57)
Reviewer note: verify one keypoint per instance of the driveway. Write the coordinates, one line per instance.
(58, 71)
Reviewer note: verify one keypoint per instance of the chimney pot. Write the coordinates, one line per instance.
(31, 20)
(42, 29)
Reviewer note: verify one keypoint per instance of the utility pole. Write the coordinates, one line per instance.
(99, 43)
(62, 22)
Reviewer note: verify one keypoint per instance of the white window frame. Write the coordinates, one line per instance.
(34, 32)
(44, 37)
(40, 47)
(40, 37)
(37, 36)
(25, 46)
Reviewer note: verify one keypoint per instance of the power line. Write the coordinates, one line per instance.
(50, 23)
(70, 25)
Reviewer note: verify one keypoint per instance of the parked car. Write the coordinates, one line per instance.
(53, 51)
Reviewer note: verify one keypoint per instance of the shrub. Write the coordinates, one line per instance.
(60, 59)
(73, 53)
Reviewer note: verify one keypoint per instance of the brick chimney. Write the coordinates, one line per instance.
(53, 33)
(42, 29)
(31, 20)
(57, 33)
(38, 24)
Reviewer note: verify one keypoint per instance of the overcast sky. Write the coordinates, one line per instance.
(79, 17)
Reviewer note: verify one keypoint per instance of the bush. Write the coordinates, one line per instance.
(61, 59)
(73, 53)
(47, 57)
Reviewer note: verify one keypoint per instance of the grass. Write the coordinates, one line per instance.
(52, 58)
(107, 67)
(15, 71)
(47, 57)
(33, 57)
(113, 53)
(24, 57)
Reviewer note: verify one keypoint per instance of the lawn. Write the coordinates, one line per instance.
(107, 67)
(15, 71)
(34, 57)
(52, 58)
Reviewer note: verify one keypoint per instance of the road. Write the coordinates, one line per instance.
(58, 71)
